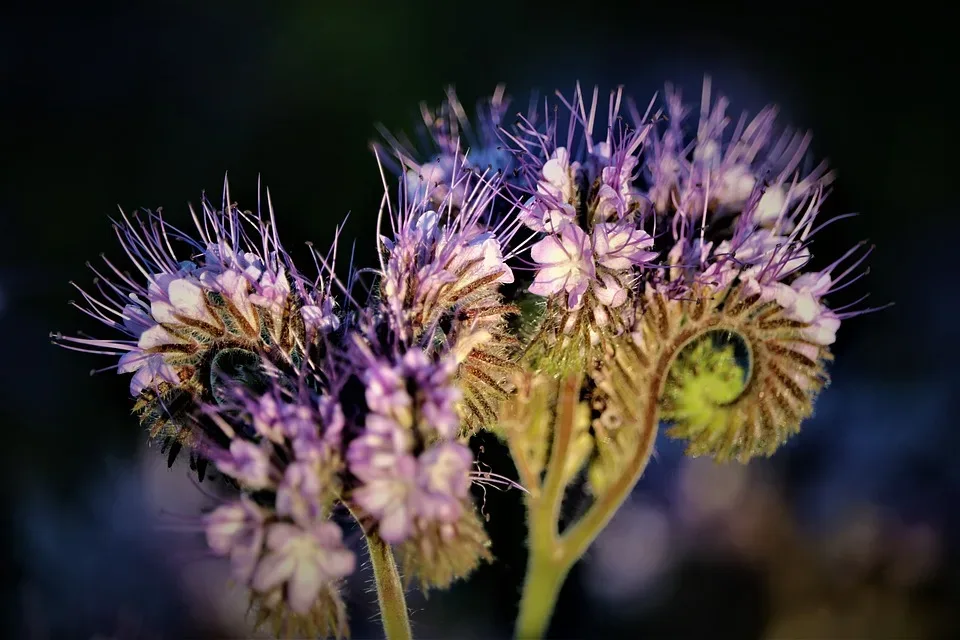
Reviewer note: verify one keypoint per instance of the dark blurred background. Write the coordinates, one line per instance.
(848, 532)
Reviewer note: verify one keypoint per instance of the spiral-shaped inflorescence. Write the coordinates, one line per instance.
(722, 406)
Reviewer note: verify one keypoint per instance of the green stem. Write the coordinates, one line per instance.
(546, 572)
(578, 538)
(554, 482)
(551, 557)
(390, 595)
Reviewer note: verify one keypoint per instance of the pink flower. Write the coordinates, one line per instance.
(443, 481)
(181, 297)
(320, 318)
(272, 292)
(566, 264)
(298, 494)
(388, 498)
(609, 291)
(235, 287)
(149, 370)
(558, 177)
(801, 301)
(620, 245)
(245, 461)
(305, 559)
(236, 529)
(484, 252)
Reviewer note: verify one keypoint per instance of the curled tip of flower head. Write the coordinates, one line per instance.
(197, 302)
(737, 374)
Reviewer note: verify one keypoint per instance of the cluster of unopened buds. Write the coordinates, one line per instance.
(567, 281)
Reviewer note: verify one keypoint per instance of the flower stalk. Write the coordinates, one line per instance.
(390, 594)
(552, 555)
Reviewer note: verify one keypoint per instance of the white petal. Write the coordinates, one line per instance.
(156, 336)
(549, 251)
(189, 300)
(304, 585)
(273, 570)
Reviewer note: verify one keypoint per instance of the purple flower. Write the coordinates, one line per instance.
(173, 311)
(245, 461)
(272, 292)
(436, 395)
(443, 258)
(386, 392)
(235, 287)
(298, 495)
(479, 257)
(236, 529)
(450, 143)
(559, 177)
(179, 300)
(620, 245)
(387, 496)
(375, 452)
(443, 481)
(149, 369)
(566, 264)
(724, 173)
(305, 560)
(421, 411)
(267, 415)
(320, 318)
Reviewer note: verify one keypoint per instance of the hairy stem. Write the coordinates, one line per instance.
(390, 595)
(578, 538)
(552, 556)
(565, 423)
(546, 571)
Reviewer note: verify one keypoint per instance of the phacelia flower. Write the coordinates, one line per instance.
(304, 560)
(282, 448)
(441, 277)
(224, 305)
(668, 279)
(579, 193)
(566, 264)
(740, 214)
(636, 227)
(414, 476)
(449, 141)
(236, 530)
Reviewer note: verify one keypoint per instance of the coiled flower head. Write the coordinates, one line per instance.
(637, 227)
(220, 303)
(441, 274)
(732, 327)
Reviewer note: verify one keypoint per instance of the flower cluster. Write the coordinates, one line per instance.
(579, 193)
(238, 356)
(667, 280)
(440, 284)
(414, 476)
(450, 142)
(230, 298)
(739, 208)
(280, 535)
